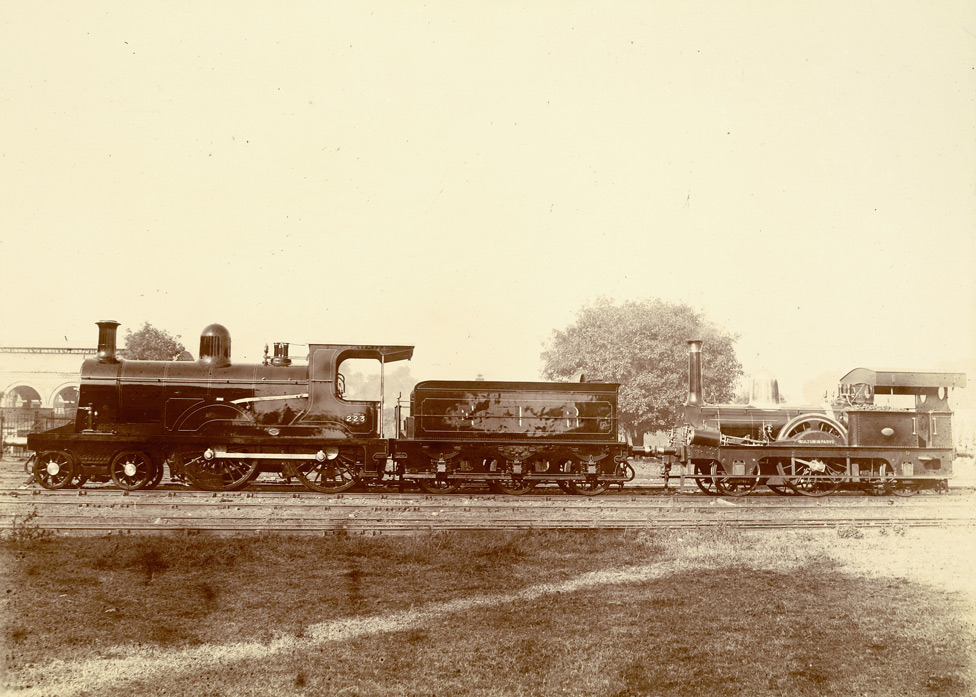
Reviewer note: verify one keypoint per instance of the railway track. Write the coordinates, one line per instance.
(294, 510)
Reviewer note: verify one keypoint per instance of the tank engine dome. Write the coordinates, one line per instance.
(215, 345)
(764, 390)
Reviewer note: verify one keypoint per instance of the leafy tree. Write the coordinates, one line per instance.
(643, 346)
(149, 343)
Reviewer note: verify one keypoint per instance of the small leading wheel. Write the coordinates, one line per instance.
(54, 469)
(704, 480)
(329, 476)
(812, 477)
(734, 484)
(132, 470)
(439, 486)
(897, 486)
(218, 474)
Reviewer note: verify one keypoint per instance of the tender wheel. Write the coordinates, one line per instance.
(132, 470)
(591, 486)
(704, 480)
(329, 476)
(897, 486)
(732, 485)
(809, 428)
(812, 477)
(516, 485)
(439, 486)
(54, 469)
(218, 474)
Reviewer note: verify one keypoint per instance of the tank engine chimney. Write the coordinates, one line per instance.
(694, 374)
(215, 345)
(107, 329)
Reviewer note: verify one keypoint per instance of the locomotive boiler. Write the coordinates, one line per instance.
(218, 425)
(853, 442)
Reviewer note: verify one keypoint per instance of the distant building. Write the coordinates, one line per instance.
(35, 377)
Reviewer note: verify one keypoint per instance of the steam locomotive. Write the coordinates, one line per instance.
(218, 425)
(852, 442)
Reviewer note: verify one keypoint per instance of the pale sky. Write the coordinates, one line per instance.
(465, 176)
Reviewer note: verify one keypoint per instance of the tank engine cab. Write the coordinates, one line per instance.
(925, 423)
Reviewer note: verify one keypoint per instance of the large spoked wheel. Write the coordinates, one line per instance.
(813, 428)
(54, 469)
(734, 485)
(132, 470)
(218, 474)
(329, 476)
(704, 480)
(439, 486)
(898, 486)
(812, 477)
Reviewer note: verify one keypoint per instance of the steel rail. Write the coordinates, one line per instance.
(361, 526)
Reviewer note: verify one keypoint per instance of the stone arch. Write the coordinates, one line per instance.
(64, 398)
(22, 395)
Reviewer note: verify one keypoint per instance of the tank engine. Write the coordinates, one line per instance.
(852, 442)
(219, 425)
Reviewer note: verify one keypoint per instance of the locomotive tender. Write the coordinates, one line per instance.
(850, 443)
(219, 425)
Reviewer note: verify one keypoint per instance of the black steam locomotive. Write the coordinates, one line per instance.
(852, 443)
(219, 425)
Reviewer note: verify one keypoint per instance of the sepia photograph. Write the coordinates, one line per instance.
(485, 349)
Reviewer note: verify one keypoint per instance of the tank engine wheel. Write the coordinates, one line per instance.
(54, 469)
(704, 480)
(733, 485)
(896, 486)
(439, 486)
(218, 474)
(131, 470)
(329, 476)
(812, 477)
(808, 427)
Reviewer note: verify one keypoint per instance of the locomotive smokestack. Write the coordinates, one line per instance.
(107, 329)
(694, 374)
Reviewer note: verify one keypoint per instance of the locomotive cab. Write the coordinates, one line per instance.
(925, 424)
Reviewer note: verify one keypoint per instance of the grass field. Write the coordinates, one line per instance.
(844, 612)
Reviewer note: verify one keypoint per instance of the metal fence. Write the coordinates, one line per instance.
(15, 424)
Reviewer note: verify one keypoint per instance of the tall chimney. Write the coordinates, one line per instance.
(694, 374)
(106, 341)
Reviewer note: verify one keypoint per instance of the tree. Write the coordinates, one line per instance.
(643, 346)
(149, 343)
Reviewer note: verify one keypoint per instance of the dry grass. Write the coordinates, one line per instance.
(714, 612)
